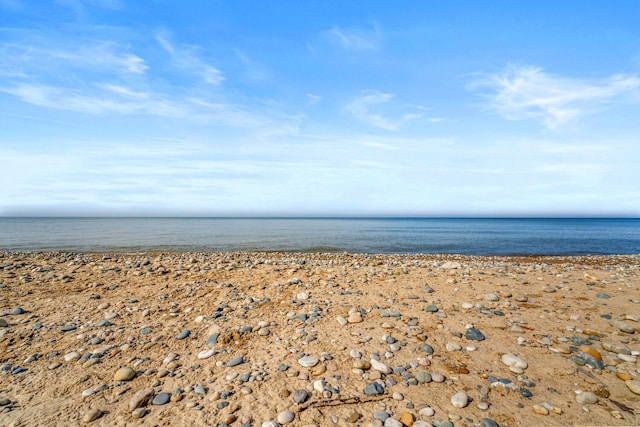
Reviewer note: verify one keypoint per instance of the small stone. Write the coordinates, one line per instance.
(513, 361)
(205, 354)
(124, 374)
(235, 361)
(308, 361)
(184, 334)
(407, 419)
(586, 398)
(91, 415)
(488, 422)
(139, 413)
(460, 399)
(355, 317)
(474, 334)
(141, 398)
(380, 367)
(285, 417)
(625, 327)
(633, 385)
(161, 399)
(353, 417)
(423, 377)
(373, 389)
(427, 411)
(341, 320)
(300, 396)
(3, 323)
(17, 311)
(437, 377)
(540, 409)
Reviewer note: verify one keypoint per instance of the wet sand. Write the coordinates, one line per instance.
(527, 340)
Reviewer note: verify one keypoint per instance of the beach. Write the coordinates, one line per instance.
(302, 339)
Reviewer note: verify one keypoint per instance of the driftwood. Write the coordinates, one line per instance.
(353, 400)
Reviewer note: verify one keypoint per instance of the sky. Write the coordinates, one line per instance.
(319, 108)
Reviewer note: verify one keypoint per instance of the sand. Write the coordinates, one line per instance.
(267, 310)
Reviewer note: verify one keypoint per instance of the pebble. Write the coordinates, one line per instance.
(586, 398)
(205, 354)
(161, 399)
(138, 413)
(460, 399)
(17, 311)
(380, 367)
(91, 415)
(235, 361)
(373, 389)
(285, 417)
(141, 398)
(633, 385)
(474, 334)
(4, 323)
(308, 361)
(124, 374)
(514, 363)
(184, 334)
(300, 396)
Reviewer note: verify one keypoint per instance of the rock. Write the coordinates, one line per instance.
(285, 417)
(354, 317)
(308, 361)
(491, 297)
(380, 367)
(71, 356)
(474, 334)
(586, 398)
(138, 413)
(341, 320)
(205, 354)
(184, 334)
(488, 422)
(427, 412)
(423, 377)
(4, 401)
(513, 361)
(91, 415)
(624, 327)
(460, 399)
(17, 311)
(300, 396)
(391, 422)
(453, 346)
(437, 377)
(407, 419)
(141, 398)
(373, 389)
(161, 399)
(124, 374)
(633, 385)
(3, 323)
(540, 409)
(235, 361)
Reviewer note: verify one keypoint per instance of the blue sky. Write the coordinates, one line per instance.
(113, 107)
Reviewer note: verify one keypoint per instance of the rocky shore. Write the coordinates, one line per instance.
(270, 339)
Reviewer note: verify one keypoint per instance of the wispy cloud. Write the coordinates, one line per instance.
(186, 57)
(379, 109)
(354, 39)
(524, 92)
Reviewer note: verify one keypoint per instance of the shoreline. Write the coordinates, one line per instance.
(421, 339)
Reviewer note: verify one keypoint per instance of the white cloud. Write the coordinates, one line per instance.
(185, 57)
(378, 110)
(354, 39)
(520, 93)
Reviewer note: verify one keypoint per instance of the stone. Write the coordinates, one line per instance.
(17, 311)
(380, 367)
(184, 334)
(91, 415)
(138, 413)
(235, 361)
(3, 323)
(540, 409)
(633, 385)
(407, 419)
(354, 317)
(513, 361)
(141, 398)
(124, 374)
(285, 417)
(308, 361)
(460, 399)
(423, 377)
(300, 396)
(205, 354)
(161, 399)
(586, 398)
(474, 334)
(373, 389)
(488, 422)
(391, 422)
(625, 327)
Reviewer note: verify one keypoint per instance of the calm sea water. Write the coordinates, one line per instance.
(486, 236)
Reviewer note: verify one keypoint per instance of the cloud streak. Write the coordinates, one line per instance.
(379, 110)
(525, 92)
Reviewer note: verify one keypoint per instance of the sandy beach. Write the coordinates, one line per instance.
(267, 339)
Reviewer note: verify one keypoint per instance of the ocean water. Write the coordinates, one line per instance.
(470, 236)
